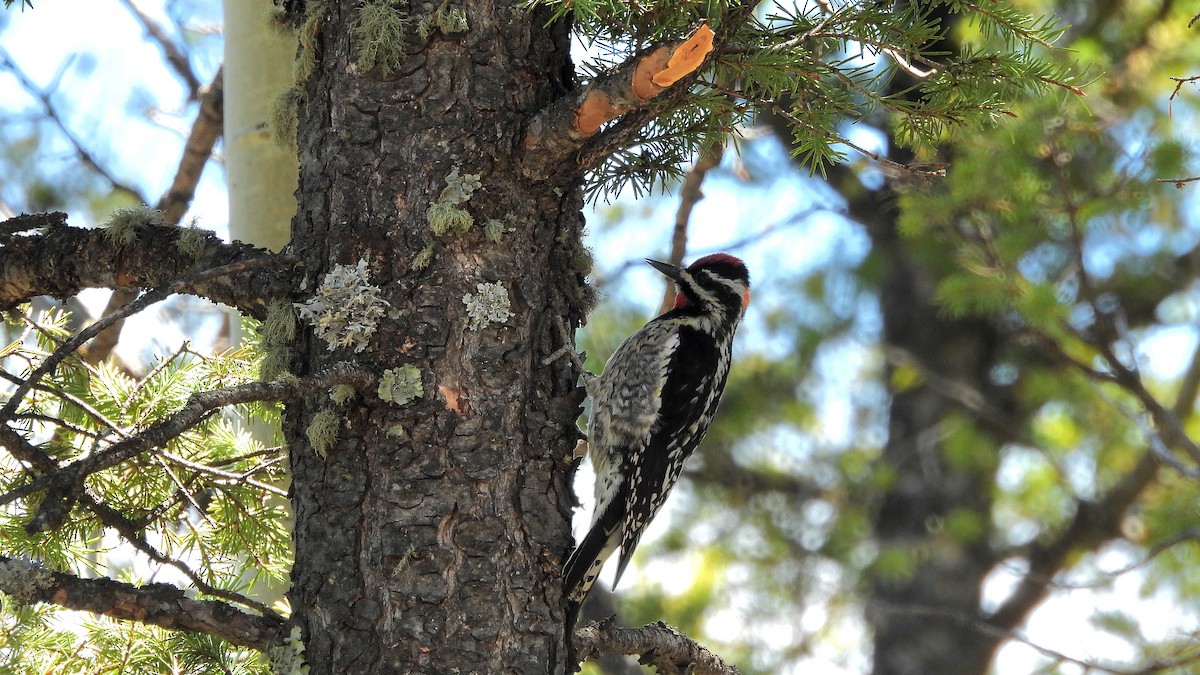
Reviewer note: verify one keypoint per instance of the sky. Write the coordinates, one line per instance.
(113, 77)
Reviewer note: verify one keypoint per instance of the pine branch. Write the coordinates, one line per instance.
(33, 456)
(197, 280)
(659, 645)
(65, 484)
(561, 129)
(156, 604)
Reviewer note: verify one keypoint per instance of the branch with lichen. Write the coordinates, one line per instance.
(562, 128)
(64, 485)
(45, 256)
(659, 645)
(156, 604)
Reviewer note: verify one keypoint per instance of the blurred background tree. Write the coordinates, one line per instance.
(956, 437)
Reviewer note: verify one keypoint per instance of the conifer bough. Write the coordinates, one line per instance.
(574, 119)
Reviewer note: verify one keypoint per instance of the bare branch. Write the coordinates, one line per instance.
(659, 645)
(175, 57)
(84, 154)
(1179, 182)
(158, 604)
(998, 634)
(1094, 522)
(196, 151)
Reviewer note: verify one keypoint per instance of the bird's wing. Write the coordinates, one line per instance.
(686, 399)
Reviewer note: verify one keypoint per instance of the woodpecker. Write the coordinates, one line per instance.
(650, 409)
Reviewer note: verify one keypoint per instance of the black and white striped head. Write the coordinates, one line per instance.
(717, 283)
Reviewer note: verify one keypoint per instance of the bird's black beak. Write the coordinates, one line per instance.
(672, 272)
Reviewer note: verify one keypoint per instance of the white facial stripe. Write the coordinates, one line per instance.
(735, 286)
(705, 297)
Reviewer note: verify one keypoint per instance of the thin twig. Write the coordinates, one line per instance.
(227, 475)
(85, 156)
(937, 170)
(984, 628)
(175, 57)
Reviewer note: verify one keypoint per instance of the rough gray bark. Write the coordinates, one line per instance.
(437, 548)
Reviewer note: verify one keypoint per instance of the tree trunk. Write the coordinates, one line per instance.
(927, 618)
(261, 174)
(430, 538)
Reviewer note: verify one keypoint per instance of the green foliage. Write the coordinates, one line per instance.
(197, 497)
(34, 645)
(816, 65)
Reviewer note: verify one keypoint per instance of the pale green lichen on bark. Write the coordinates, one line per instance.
(124, 224)
(493, 230)
(280, 323)
(446, 219)
(322, 431)
(446, 19)
(446, 216)
(341, 393)
(23, 579)
(379, 31)
(404, 558)
(490, 305)
(288, 658)
(278, 332)
(345, 309)
(309, 52)
(192, 240)
(283, 117)
(401, 385)
(422, 259)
